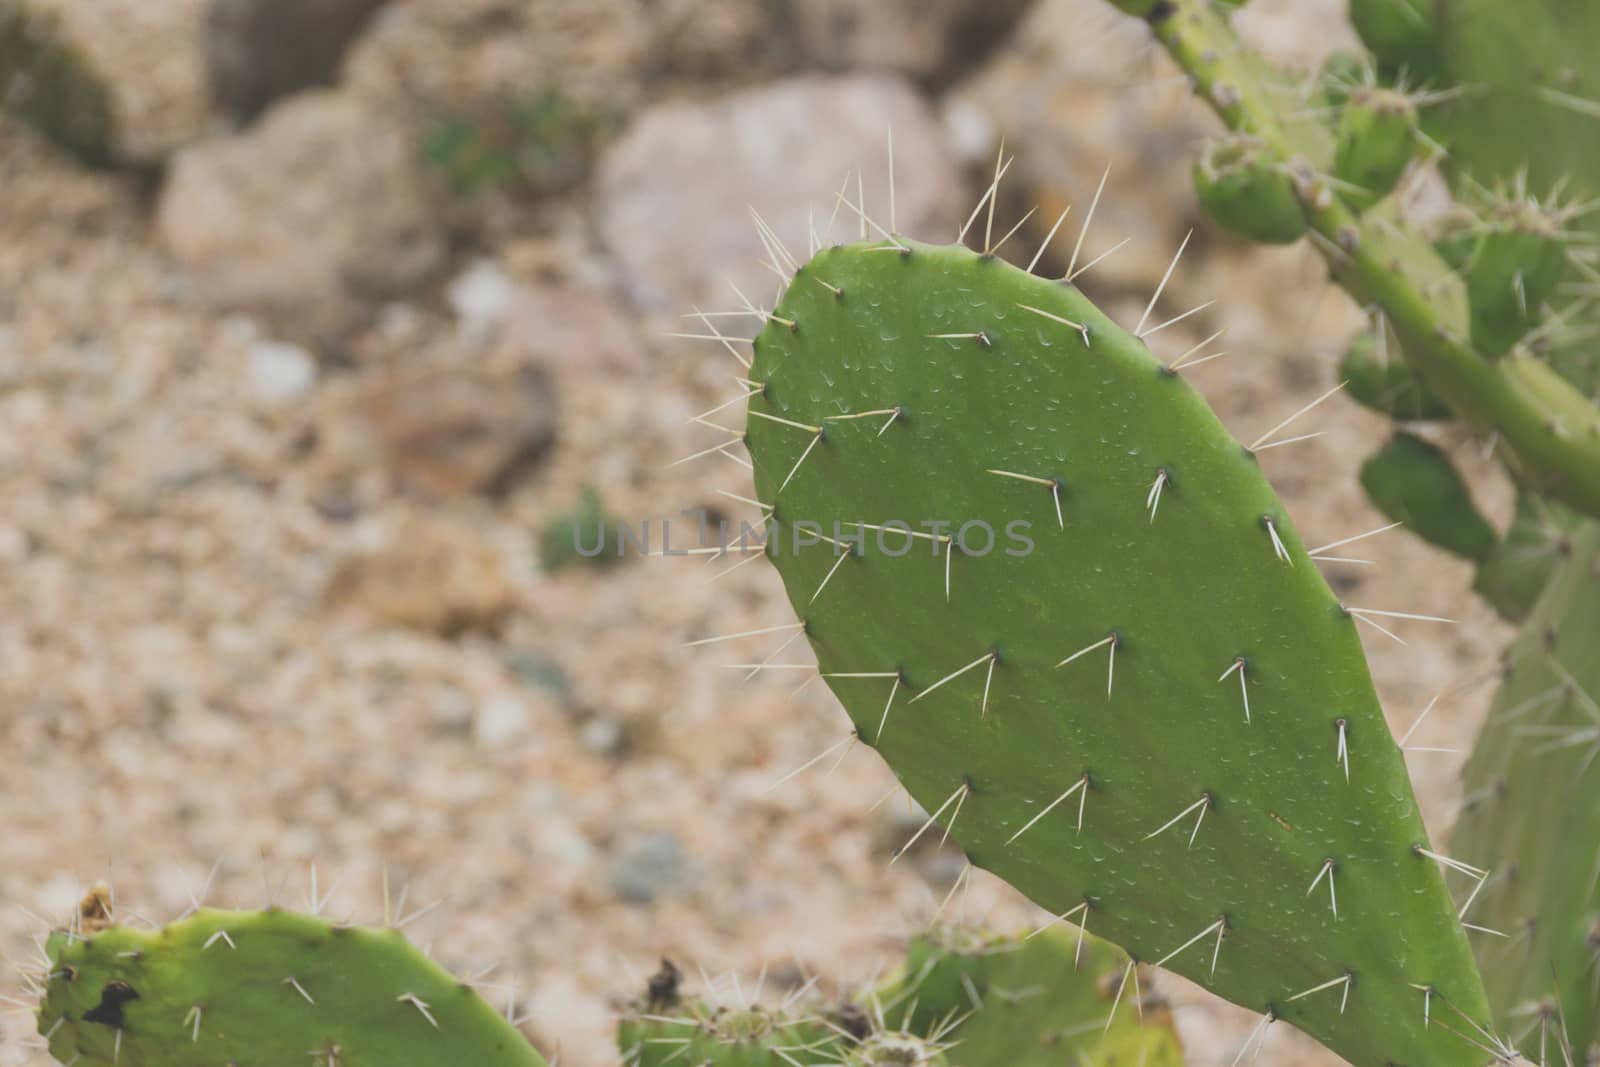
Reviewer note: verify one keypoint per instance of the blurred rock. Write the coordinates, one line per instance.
(280, 373)
(648, 867)
(501, 720)
(305, 219)
(481, 297)
(259, 50)
(933, 41)
(1071, 110)
(428, 573)
(149, 55)
(571, 325)
(439, 431)
(674, 189)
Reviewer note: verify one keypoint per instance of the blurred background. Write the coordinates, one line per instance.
(339, 314)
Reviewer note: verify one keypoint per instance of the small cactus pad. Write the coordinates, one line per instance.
(663, 1027)
(1248, 194)
(1518, 261)
(1412, 481)
(1035, 1001)
(1384, 382)
(1128, 685)
(1531, 811)
(1377, 138)
(264, 989)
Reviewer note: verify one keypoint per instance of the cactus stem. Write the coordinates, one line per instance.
(1138, 331)
(1081, 784)
(1325, 871)
(1034, 262)
(1203, 804)
(1084, 230)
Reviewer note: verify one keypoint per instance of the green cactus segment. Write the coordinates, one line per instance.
(1377, 138)
(750, 1037)
(1246, 194)
(261, 989)
(1549, 432)
(1037, 1001)
(663, 1027)
(1532, 810)
(1100, 658)
(47, 84)
(1517, 263)
(1381, 380)
(1403, 34)
(1518, 569)
(1412, 481)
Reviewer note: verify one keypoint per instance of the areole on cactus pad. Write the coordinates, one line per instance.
(1143, 706)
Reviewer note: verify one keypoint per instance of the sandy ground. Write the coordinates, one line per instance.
(188, 706)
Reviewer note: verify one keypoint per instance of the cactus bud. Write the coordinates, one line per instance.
(1248, 192)
(1377, 138)
(1413, 482)
(1516, 264)
(1387, 386)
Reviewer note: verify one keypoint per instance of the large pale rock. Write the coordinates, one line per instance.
(306, 219)
(675, 191)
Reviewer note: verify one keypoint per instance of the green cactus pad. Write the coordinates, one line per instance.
(1517, 263)
(1531, 810)
(1035, 1001)
(264, 989)
(1377, 139)
(1412, 481)
(1403, 34)
(1100, 658)
(1248, 194)
(1386, 383)
(663, 1028)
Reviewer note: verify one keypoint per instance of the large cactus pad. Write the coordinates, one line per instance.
(263, 989)
(1144, 704)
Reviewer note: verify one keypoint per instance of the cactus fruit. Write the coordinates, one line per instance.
(1140, 704)
(253, 989)
(49, 85)
(1381, 380)
(1377, 140)
(1528, 807)
(1247, 194)
(1036, 1001)
(1518, 260)
(1412, 481)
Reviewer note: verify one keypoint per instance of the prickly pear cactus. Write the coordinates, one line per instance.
(1529, 791)
(1033, 1001)
(252, 989)
(1066, 607)
(1412, 481)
